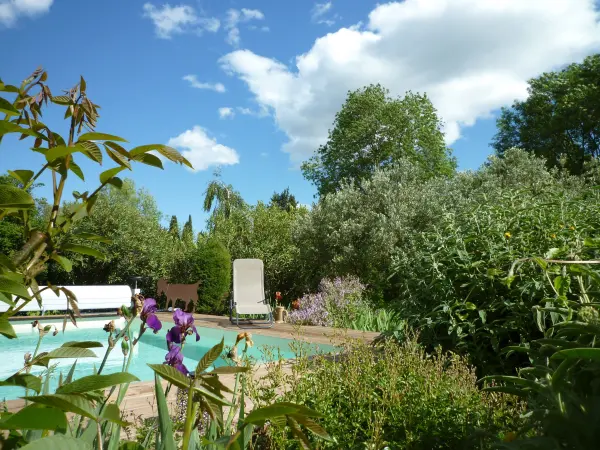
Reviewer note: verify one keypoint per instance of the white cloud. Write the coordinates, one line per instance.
(234, 18)
(202, 150)
(318, 12)
(11, 10)
(233, 37)
(250, 14)
(195, 83)
(211, 24)
(226, 112)
(320, 9)
(169, 20)
(261, 112)
(470, 56)
(264, 154)
(255, 28)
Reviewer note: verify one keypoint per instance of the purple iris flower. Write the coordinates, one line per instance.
(148, 315)
(184, 326)
(175, 359)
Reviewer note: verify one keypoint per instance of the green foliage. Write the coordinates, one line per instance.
(394, 396)
(12, 231)
(455, 282)
(560, 383)
(221, 198)
(284, 200)
(560, 118)
(264, 232)
(187, 235)
(355, 231)
(212, 267)
(137, 245)
(174, 228)
(381, 320)
(374, 131)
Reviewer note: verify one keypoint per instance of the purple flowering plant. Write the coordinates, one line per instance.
(148, 315)
(184, 327)
(337, 303)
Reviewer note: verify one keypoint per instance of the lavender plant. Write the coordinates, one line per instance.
(338, 303)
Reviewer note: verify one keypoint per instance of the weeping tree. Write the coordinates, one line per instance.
(221, 198)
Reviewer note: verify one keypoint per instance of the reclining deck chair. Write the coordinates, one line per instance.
(249, 292)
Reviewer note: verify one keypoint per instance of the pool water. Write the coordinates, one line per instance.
(151, 349)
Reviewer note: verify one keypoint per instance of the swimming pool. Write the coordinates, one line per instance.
(151, 349)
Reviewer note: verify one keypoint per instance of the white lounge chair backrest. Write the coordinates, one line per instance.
(88, 297)
(249, 287)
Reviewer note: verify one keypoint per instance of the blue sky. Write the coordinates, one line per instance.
(264, 78)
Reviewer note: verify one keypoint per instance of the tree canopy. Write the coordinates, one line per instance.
(560, 118)
(372, 131)
(284, 200)
(174, 228)
(187, 235)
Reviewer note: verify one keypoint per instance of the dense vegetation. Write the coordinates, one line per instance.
(560, 120)
(396, 397)
(494, 269)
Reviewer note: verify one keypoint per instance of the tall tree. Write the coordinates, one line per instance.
(560, 120)
(373, 130)
(284, 200)
(187, 235)
(174, 228)
(221, 198)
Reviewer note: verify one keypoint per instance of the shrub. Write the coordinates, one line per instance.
(338, 303)
(454, 283)
(560, 384)
(395, 396)
(213, 270)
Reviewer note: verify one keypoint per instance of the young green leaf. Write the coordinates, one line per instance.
(149, 159)
(83, 344)
(61, 151)
(210, 357)
(108, 174)
(171, 374)
(7, 108)
(23, 176)
(112, 413)
(24, 380)
(65, 263)
(58, 442)
(63, 352)
(69, 403)
(10, 286)
(6, 328)
(93, 136)
(36, 417)
(14, 197)
(96, 382)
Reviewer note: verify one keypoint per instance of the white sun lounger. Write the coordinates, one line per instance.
(249, 292)
(88, 297)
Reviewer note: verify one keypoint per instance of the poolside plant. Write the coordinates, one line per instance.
(80, 414)
(338, 302)
(390, 395)
(560, 384)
